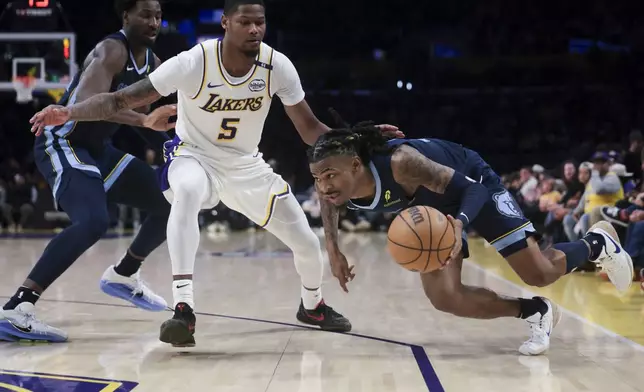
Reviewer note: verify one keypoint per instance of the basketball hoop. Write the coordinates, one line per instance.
(24, 86)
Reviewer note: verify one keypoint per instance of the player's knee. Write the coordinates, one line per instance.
(191, 191)
(95, 223)
(535, 278)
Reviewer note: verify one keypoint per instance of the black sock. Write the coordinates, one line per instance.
(22, 295)
(128, 266)
(596, 243)
(531, 306)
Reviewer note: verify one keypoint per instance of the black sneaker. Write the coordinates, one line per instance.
(324, 317)
(616, 216)
(180, 329)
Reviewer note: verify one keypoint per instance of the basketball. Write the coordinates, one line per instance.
(420, 239)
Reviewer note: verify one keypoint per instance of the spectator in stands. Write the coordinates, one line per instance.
(20, 200)
(633, 158)
(529, 185)
(603, 189)
(549, 197)
(569, 200)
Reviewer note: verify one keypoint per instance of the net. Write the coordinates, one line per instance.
(24, 86)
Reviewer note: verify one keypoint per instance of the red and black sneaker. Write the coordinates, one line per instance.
(180, 329)
(324, 317)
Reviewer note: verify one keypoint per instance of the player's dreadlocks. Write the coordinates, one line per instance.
(363, 139)
(230, 6)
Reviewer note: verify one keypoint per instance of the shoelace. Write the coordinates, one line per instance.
(139, 289)
(29, 319)
(537, 329)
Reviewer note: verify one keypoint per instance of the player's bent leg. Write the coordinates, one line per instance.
(83, 199)
(600, 245)
(448, 294)
(191, 189)
(534, 267)
(137, 187)
(289, 224)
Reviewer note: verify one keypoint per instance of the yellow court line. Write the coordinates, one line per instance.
(583, 295)
(14, 388)
(108, 384)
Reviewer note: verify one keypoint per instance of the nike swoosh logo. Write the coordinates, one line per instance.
(214, 86)
(184, 285)
(130, 68)
(19, 328)
(316, 318)
(617, 248)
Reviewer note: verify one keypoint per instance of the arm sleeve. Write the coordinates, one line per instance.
(473, 196)
(182, 72)
(285, 81)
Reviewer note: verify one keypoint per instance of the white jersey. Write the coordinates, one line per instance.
(220, 113)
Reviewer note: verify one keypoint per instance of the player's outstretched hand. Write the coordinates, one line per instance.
(51, 115)
(341, 270)
(458, 239)
(159, 119)
(391, 131)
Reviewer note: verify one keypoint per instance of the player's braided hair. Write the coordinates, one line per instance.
(230, 6)
(363, 140)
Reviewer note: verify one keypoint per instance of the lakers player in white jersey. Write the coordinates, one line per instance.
(225, 88)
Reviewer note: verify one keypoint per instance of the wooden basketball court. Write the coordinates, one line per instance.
(247, 294)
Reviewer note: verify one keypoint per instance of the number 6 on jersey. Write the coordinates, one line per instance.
(227, 128)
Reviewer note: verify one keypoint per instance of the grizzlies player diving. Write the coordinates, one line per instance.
(359, 167)
(85, 172)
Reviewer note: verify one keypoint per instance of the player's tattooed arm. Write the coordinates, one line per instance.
(412, 170)
(103, 106)
(102, 64)
(330, 217)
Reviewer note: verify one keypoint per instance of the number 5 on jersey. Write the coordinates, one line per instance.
(228, 129)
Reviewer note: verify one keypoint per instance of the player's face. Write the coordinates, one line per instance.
(335, 178)
(245, 28)
(143, 22)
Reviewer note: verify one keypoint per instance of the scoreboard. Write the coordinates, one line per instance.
(34, 15)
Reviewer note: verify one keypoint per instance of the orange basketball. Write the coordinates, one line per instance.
(420, 239)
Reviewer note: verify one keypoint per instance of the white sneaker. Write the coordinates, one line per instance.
(613, 259)
(22, 324)
(132, 289)
(541, 327)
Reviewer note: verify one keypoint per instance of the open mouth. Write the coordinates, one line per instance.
(332, 197)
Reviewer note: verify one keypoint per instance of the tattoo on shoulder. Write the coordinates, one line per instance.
(412, 168)
(140, 93)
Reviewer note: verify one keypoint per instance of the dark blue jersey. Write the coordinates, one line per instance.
(93, 135)
(391, 197)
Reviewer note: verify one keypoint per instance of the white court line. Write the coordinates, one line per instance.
(636, 346)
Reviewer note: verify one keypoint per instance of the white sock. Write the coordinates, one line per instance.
(190, 186)
(311, 298)
(183, 291)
